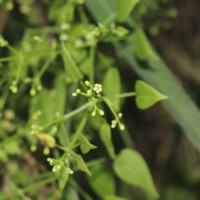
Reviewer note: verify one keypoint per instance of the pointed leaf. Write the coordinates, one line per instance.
(124, 8)
(85, 145)
(82, 165)
(146, 96)
(132, 168)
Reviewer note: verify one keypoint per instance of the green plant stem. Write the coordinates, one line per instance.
(125, 137)
(69, 115)
(108, 103)
(13, 50)
(20, 57)
(45, 66)
(27, 56)
(124, 95)
(78, 132)
(11, 58)
(64, 135)
(32, 187)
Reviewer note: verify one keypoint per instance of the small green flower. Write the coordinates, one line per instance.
(56, 167)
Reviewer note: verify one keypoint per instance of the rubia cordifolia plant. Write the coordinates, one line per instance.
(71, 94)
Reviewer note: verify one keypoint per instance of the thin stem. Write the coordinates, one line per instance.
(45, 66)
(108, 103)
(64, 135)
(69, 115)
(127, 139)
(13, 50)
(78, 132)
(33, 187)
(62, 148)
(27, 56)
(19, 68)
(124, 95)
(74, 112)
(5, 59)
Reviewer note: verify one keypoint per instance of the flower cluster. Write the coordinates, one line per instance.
(92, 93)
(92, 90)
(58, 164)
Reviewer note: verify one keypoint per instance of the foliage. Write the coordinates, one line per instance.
(61, 96)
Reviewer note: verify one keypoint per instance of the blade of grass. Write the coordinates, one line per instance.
(179, 105)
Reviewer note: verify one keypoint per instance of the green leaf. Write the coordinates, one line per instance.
(85, 145)
(71, 69)
(102, 181)
(124, 8)
(105, 136)
(82, 165)
(146, 96)
(112, 86)
(71, 193)
(95, 9)
(113, 197)
(142, 48)
(132, 168)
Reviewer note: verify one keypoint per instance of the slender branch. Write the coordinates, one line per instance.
(124, 95)
(78, 132)
(69, 115)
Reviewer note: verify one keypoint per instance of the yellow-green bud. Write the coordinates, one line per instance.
(46, 140)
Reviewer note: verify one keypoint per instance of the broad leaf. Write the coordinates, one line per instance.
(132, 168)
(102, 181)
(146, 96)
